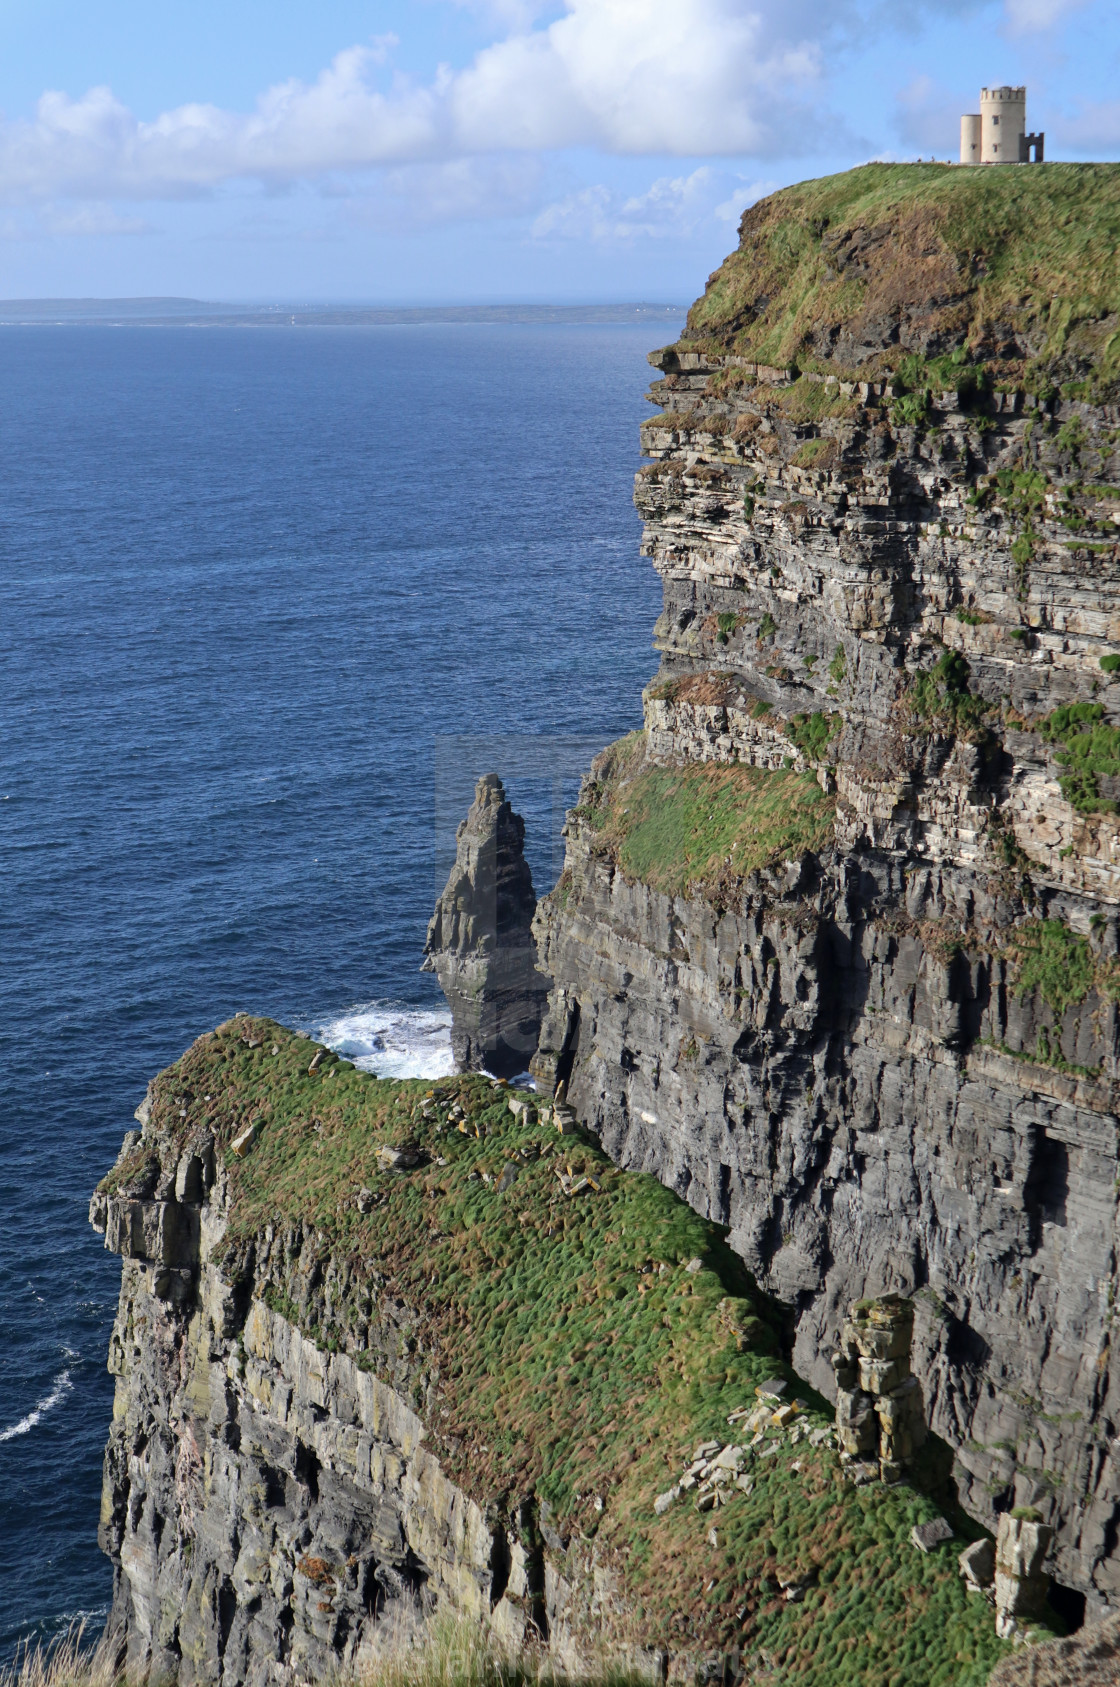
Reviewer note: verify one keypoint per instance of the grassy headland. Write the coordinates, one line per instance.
(705, 822)
(1016, 267)
(582, 1331)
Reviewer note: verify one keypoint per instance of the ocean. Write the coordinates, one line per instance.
(270, 601)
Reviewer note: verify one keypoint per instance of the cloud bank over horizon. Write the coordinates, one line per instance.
(670, 78)
(601, 122)
(682, 78)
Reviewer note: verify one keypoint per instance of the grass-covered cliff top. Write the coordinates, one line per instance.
(1018, 265)
(705, 823)
(580, 1330)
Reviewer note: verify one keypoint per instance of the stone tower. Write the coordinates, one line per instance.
(880, 1416)
(997, 133)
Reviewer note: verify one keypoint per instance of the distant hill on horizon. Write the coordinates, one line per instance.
(180, 312)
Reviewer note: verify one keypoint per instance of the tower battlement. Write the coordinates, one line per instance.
(997, 133)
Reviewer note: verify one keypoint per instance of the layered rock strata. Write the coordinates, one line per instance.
(879, 1410)
(269, 1505)
(480, 944)
(386, 1350)
(1021, 1585)
(889, 1063)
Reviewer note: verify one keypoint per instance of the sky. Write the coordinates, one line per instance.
(468, 151)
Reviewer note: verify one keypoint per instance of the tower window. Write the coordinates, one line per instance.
(995, 119)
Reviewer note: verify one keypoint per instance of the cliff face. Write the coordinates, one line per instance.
(385, 1350)
(266, 1502)
(480, 943)
(269, 1504)
(835, 949)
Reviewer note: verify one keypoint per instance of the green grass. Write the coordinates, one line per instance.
(452, 1653)
(812, 733)
(1055, 962)
(1087, 748)
(704, 823)
(560, 1346)
(815, 454)
(1033, 248)
(912, 409)
(941, 696)
(1044, 1053)
(1023, 491)
(812, 401)
(1051, 961)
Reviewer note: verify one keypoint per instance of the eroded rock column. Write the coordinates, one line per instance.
(480, 943)
(1021, 1586)
(880, 1416)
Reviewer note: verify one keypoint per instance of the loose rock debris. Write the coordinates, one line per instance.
(718, 1471)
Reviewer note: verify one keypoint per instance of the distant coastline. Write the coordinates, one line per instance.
(199, 313)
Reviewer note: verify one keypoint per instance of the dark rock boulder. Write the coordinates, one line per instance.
(480, 943)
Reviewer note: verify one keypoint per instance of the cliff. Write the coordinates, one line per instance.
(480, 943)
(835, 949)
(387, 1350)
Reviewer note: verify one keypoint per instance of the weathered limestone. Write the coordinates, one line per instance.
(879, 1411)
(270, 1508)
(840, 1058)
(1022, 1543)
(978, 1566)
(1089, 1658)
(480, 943)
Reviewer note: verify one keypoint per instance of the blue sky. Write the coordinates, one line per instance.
(461, 150)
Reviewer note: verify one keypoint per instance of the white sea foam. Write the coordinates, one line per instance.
(60, 1388)
(391, 1039)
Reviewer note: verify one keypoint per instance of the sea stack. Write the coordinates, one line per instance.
(480, 943)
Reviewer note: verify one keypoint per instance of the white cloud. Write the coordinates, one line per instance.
(927, 116)
(91, 220)
(673, 208)
(676, 77)
(1026, 17)
(1095, 129)
(731, 209)
(456, 190)
(70, 221)
(642, 76)
(509, 14)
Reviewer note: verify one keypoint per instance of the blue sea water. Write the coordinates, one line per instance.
(269, 602)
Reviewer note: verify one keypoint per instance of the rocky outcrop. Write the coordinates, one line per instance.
(269, 1505)
(1022, 1544)
(879, 1412)
(386, 1351)
(891, 1063)
(480, 943)
(1090, 1658)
